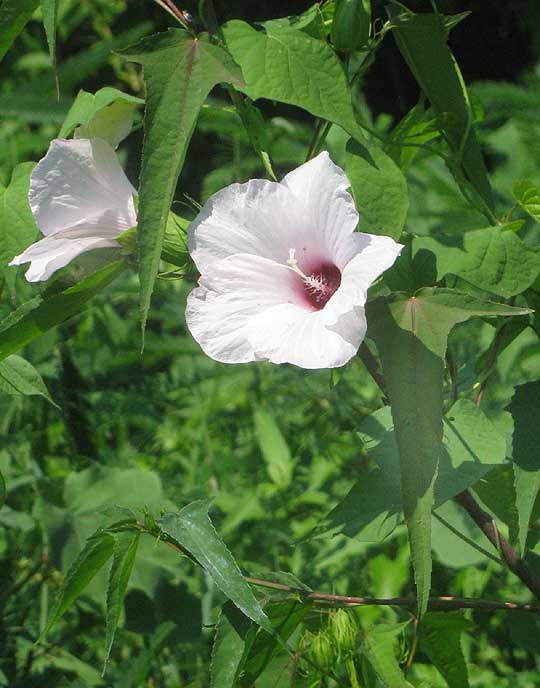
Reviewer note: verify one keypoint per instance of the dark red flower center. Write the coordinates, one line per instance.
(321, 284)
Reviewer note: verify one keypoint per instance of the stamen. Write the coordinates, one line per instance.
(293, 265)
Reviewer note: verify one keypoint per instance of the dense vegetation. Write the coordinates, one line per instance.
(299, 470)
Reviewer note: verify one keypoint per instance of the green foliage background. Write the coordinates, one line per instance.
(275, 449)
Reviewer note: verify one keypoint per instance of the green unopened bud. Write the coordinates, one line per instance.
(343, 630)
(128, 242)
(322, 652)
(351, 25)
(175, 243)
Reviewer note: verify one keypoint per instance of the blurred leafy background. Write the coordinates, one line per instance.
(275, 447)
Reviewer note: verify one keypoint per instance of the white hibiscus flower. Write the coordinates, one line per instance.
(284, 276)
(81, 199)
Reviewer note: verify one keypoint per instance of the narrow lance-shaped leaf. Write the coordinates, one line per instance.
(422, 40)
(192, 529)
(378, 647)
(18, 376)
(13, 17)
(39, 315)
(179, 71)
(93, 557)
(525, 410)
(124, 551)
(228, 647)
(49, 12)
(411, 333)
(440, 638)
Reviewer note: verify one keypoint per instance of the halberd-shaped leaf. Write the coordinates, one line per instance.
(411, 333)
(494, 259)
(179, 71)
(284, 64)
(192, 529)
(471, 447)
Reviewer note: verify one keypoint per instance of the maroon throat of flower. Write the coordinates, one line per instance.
(320, 285)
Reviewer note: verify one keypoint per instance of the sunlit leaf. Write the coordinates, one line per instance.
(192, 529)
(179, 71)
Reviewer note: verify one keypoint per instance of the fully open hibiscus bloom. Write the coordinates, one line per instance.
(81, 199)
(284, 276)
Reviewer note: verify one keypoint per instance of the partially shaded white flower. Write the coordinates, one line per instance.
(81, 200)
(284, 276)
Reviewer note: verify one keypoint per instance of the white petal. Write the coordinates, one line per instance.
(367, 257)
(56, 251)
(237, 289)
(320, 188)
(246, 309)
(310, 212)
(80, 180)
(289, 334)
(257, 217)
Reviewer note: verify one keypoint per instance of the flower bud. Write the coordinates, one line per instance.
(343, 630)
(321, 651)
(351, 25)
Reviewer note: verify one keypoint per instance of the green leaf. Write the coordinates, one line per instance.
(39, 315)
(274, 449)
(2, 490)
(179, 71)
(192, 529)
(379, 189)
(228, 647)
(378, 647)
(471, 448)
(49, 12)
(527, 195)
(414, 130)
(18, 376)
(451, 550)
(440, 639)
(283, 64)
(494, 259)
(17, 227)
(422, 41)
(414, 378)
(124, 551)
(432, 313)
(411, 334)
(140, 666)
(261, 648)
(108, 113)
(14, 14)
(97, 551)
(525, 410)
